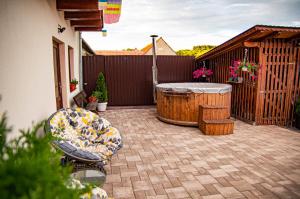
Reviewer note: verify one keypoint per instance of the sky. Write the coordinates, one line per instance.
(186, 23)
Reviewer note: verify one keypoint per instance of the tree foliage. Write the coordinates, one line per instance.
(196, 51)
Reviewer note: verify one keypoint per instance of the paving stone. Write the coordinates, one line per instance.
(142, 186)
(123, 192)
(177, 192)
(229, 192)
(159, 160)
(216, 196)
(192, 185)
(206, 179)
(113, 178)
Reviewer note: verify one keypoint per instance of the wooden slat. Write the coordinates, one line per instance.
(86, 23)
(77, 5)
(84, 15)
(270, 99)
(87, 29)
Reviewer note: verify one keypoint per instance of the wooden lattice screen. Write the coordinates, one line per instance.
(243, 99)
(271, 98)
(279, 82)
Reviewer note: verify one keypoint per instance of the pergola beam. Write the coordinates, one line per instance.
(296, 36)
(268, 36)
(86, 23)
(250, 44)
(77, 5)
(84, 15)
(88, 28)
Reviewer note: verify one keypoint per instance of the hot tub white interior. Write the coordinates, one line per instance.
(195, 87)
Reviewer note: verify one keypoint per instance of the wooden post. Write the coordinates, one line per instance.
(154, 67)
(260, 85)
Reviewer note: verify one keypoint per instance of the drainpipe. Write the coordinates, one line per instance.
(154, 66)
(80, 63)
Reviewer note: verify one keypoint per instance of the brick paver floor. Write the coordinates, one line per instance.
(159, 160)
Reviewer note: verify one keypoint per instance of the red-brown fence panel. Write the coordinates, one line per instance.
(175, 68)
(92, 66)
(129, 78)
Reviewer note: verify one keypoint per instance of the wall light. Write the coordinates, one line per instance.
(61, 29)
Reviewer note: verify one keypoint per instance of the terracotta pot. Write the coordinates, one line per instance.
(72, 87)
(92, 99)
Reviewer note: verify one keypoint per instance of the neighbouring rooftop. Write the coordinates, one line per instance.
(159, 160)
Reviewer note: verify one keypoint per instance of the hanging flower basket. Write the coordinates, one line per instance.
(234, 72)
(202, 74)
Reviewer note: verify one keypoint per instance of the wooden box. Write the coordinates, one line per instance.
(213, 112)
(217, 127)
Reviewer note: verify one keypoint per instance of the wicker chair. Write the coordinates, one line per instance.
(87, 140)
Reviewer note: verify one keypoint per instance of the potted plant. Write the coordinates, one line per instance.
(73, 84)
(202, 73)
(297, 114)
(92, 98)
(101, 93)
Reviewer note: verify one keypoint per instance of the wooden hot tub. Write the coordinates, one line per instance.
(178, 103)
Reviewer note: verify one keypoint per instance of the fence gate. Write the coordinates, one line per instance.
(280, 84)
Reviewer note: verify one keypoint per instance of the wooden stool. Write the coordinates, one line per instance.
(217, 127)
(212, 112)
(214, 120)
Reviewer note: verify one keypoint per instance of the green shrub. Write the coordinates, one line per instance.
(102, 94)
(30, 168)
(74, 81)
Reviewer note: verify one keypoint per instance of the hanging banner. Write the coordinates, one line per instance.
(112, 12)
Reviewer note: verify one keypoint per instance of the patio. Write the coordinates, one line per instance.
(159, 160)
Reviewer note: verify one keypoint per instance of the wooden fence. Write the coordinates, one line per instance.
(129, 78)
(279, 82)
(270, 99)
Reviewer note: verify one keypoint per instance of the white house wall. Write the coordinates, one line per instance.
(26, 54)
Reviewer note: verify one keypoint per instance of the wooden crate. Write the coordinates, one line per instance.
(217, 127)
(213, 112)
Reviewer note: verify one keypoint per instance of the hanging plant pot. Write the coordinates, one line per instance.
(245, 69)
(202, 79)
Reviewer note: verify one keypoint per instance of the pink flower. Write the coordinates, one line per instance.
(201, 72)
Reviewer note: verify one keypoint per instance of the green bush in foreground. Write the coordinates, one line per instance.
(30, 168)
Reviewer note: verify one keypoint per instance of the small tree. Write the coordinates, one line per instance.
(101, 90)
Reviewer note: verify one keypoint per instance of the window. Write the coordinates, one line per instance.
(71, 62)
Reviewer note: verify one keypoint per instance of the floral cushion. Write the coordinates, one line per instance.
(86, 131)
(95, 193)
